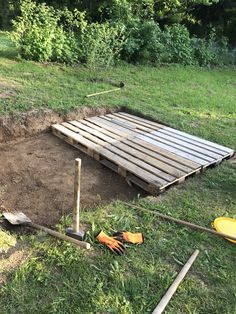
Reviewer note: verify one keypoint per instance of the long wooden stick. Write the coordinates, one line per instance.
(82, 244)
(182, 222)
(76, 206)
(170, 292)
(104, 92)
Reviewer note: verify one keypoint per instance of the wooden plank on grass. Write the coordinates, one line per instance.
(87, 135)
(108, 126)
(179, 147)
(92, 131)
(76, 137)
(102, 130)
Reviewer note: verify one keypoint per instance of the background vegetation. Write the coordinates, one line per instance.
(147, 31)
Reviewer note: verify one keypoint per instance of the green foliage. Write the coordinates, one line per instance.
(39, 35)
(147, 43)
(177, 45)
(101, 44)
(43, 33)
(144, 42)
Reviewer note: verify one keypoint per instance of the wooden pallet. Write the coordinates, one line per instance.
(148, 154)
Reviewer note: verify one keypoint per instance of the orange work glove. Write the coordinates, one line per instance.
(126, 236)
(113, 244)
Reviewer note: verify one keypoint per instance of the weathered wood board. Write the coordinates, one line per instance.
(148, 154)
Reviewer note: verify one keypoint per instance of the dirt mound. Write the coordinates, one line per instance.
(23, 125)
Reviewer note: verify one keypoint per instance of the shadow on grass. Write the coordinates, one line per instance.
(7, 48)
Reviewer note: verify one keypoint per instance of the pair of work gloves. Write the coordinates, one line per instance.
(116, 242)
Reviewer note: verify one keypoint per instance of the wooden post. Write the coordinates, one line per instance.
(76, 206)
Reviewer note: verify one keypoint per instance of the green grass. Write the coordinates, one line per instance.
(59, 278)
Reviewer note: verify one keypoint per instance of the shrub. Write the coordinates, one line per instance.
(39, 35)
(45, 34)
(177, 43)
(143, 42)
(101, 44)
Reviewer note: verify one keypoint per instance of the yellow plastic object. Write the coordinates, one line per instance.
(226, 225)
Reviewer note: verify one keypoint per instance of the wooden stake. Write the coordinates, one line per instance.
(170, 292)
(76, 207)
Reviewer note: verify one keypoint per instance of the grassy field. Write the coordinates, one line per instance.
(58, 278)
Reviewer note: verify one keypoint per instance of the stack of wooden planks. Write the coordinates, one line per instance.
(148, 154)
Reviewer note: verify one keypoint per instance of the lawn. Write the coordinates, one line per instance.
(58, 278)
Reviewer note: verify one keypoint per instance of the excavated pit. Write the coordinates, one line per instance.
(37, 169)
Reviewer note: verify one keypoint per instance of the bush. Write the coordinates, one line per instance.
(45, 34)
(211, 51)
(177, 43)
(39, 35)
(101, 44)
(143, 42)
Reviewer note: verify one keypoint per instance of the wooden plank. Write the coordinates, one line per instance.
(174, 150)
(191, 141)
(161, 176)
(179, 148)
(117, 117)
(193, 148)
(132, 131)
(202, 154)
(97, 133)
(142, 121)
(150, 160)
(74, 136)
(166, 153)
(158, 157)
(132, 168)
(108, 126)
(198, 139)
(203, 141)
(102, 130)
(86, 134)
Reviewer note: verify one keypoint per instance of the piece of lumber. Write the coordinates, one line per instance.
(142, 121)
(192, 141)
(158, 157)
(200, 140)
(166, 153)
(171, 291)
(150, 160)
(177, 151)
(192, 147)
(182, 222)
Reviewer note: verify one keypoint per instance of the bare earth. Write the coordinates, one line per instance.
(36, 177)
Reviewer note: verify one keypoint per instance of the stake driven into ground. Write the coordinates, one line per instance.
(55, 277)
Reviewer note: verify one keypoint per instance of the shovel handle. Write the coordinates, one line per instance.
(82, 244)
